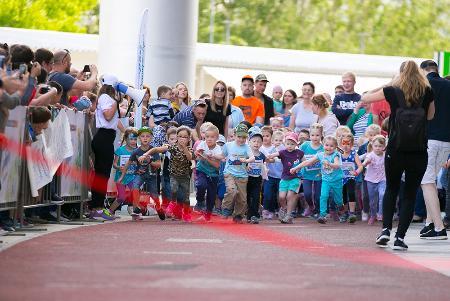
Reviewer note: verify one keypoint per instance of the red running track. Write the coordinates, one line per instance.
(170, 260)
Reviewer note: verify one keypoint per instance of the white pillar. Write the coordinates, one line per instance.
(172, 38)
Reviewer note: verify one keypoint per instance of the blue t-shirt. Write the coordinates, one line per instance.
(312, 172)
(66, 81)
(330, 174)
(143, 168)
(124, 155)
(278, 106)
(276, 168)
(255, 168)
(233, 153)
(346, 102)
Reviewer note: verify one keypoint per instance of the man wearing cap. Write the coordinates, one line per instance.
(60, 74)
(193, 117)
(252, 108)
(438, 151)
(260, 86)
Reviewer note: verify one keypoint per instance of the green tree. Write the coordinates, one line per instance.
(60, 15)
(396, 27)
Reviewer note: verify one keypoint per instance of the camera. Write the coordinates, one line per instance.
(86, 69)
(22, 69)
(2, 61)
(44, 89)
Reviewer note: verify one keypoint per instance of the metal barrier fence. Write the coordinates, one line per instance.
(29, 183)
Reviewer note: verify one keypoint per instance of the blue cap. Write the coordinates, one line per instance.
(254, 131)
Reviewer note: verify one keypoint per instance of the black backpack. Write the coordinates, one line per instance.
(409, 131)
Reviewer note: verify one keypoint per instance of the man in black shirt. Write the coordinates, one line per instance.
(260, 86)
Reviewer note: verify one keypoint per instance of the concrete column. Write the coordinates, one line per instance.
(171, 36)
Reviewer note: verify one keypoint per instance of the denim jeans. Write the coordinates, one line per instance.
(206, 185)
(376, 194)
(270, 194)
(311, 190)
(253, 196)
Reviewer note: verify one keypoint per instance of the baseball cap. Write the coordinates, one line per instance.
(249, 77)
(254, 131)
(199, 102)
(241, 130)
(428, 63)
(109, 79)
(222, 139)
(145, 129)
(261, 77)
(292, 136)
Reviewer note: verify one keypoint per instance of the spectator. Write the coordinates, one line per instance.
(302, 115)
(45, 58)
(410, 88)
(324, 117)
(359, 121)
(438, 150)
(183, 97)
(289, 101)
(251, 107)
(193, 116)
(260, 86)
(160, 109)
(339, 89)
(219, 110)
(344, 103)
(59, 74)
(277, 93)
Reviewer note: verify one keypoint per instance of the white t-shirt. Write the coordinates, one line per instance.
(105, 102)
(330, 123)
(303, 117)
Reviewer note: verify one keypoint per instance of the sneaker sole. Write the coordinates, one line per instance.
(397, 248)
(321, 221)
(435, 238)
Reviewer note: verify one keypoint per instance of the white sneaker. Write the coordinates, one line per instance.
(364, 216)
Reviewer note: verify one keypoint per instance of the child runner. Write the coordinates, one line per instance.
(290, 183)
(312, 179)
(255, 171)
(181, 155)
(144, 173)
(221, 184)
(332, 175)
(237, 153)
(361, 184)
(171, 210)
(121, 157)
(272, 143)
(352, 167)
(208, 154)
(375, 176)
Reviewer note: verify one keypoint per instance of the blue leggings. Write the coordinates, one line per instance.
(335, 189)
(311, 190)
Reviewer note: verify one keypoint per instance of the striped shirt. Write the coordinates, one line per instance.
(360, 127)
(186, 117)
(161, 110)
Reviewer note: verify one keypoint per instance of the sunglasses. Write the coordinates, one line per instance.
(67, 53)
(219, 89)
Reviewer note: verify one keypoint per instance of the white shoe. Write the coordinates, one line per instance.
(364, 216)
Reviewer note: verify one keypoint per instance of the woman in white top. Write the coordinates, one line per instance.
(302, 115)
(327, 119)
(106, 119)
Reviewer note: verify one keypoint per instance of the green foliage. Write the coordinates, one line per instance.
(60, 15)
(397, 27)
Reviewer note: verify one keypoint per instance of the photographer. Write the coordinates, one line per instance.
(49, 94)
(107, 120)
(60, 74)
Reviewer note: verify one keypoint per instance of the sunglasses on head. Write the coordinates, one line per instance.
(67, 53)
(219, 89)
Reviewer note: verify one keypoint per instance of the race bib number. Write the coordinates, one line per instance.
(348, 168)
(315, 166)
(124, 159)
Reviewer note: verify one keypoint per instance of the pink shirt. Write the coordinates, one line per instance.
(375, 170)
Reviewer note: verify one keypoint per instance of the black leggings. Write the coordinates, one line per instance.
(348, 191)
(414, 166)
(103, 148)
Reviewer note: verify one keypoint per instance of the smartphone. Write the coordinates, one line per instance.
(44, 89)
(86, 68)
(22, 69)
(2, 61)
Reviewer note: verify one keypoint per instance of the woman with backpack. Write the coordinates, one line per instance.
(411, 102)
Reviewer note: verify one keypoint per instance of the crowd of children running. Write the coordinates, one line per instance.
(256, 173)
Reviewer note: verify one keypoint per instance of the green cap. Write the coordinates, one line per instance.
(241, 130)
(145, 129)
